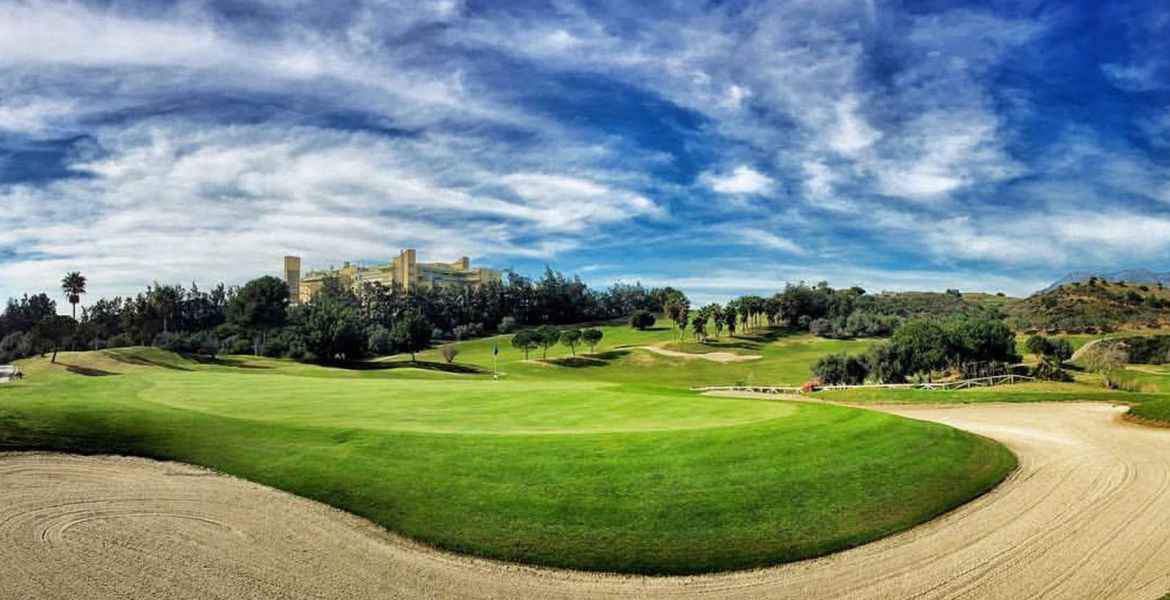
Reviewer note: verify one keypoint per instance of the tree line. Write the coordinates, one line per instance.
(338, 323)
(920, 348)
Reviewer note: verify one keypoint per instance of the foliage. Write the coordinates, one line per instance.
(329, 327)
(53, 333)
(546, 336)
(841, 369)
(570, 338)
(73, 284)
(525, 340)
(591, 337)
(642, 319)
(449, 351)
(259, 307)
(411, 333)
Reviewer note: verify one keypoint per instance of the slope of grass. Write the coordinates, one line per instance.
(786, 358)
(557, 470)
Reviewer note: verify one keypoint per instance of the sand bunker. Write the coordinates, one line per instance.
(1083, 517)
(719, 357)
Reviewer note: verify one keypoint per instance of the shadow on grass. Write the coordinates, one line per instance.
(234, 363)
(600, 359)
(88, 371)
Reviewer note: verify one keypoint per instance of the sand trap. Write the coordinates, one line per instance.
(719, 357)
(1084, 517)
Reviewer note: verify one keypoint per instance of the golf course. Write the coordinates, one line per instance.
(552, 464)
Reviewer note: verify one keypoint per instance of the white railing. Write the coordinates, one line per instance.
(944, 385)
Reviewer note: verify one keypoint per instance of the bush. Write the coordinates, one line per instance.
(838, 369)
(450, 351)
(467, 331)
(507, 325)
(179, 343)
(378, 340)
(821, 327)
(641, 320)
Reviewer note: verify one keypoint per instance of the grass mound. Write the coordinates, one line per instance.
(555, 469)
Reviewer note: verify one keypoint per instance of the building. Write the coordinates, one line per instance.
(403, 270)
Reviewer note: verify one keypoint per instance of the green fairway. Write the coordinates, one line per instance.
(622, 470)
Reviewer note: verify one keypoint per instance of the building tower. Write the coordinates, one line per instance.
(407, 271)
(292, 277)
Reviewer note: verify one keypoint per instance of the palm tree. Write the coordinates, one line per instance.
(73, 284)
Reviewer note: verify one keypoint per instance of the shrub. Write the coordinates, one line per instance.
(821, 327)
(467, 331)
(836, 369)
(378, 340)
(450, 351)
(507, 324)
(641, 320)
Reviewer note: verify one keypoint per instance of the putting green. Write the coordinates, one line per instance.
(546, 469)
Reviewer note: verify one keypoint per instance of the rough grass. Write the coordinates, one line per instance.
(546, 466)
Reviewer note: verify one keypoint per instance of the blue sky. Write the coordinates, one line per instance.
(723, 147)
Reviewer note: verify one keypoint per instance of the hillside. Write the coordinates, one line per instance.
(1128, 275)
(938, 306)
(1093, 305)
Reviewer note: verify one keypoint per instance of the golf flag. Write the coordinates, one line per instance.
(496, 350)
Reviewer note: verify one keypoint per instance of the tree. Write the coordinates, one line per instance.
(329, 328)
(163, 298)
(525, 340)
(1038, 345)
(591, 337)
(699, 326)
(73, 284)
(546, 336)
(841, 369)
(411, 333)
(570, 338)
(53, 332)
(981, 341)
(1061, 350)
(642, 320)
(729, 318)
(888, 364)
(262, 305)
(925, 343)
(450, 351)
(676, 308)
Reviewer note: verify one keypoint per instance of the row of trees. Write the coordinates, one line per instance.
(339, 323)
(547, 336)
(921, 348)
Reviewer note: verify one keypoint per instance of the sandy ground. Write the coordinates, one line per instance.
(1085, 516)
(719, 357)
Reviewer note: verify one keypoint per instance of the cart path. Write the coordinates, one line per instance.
(1085, 516)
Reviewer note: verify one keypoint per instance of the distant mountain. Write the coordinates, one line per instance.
(1133, 275)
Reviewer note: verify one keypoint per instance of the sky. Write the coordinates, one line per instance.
(720, 147)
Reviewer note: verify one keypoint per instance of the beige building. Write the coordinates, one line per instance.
(404, 270)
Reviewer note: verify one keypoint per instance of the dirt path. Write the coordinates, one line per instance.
(719, 357)
(1084, 517)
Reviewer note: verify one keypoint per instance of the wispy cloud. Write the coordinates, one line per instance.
(186, 141)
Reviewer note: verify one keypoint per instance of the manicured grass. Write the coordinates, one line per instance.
(786, 358)
(546, 466)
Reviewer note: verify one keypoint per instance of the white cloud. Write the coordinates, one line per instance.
(769, 240)
(741, 180)
(174, 202)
